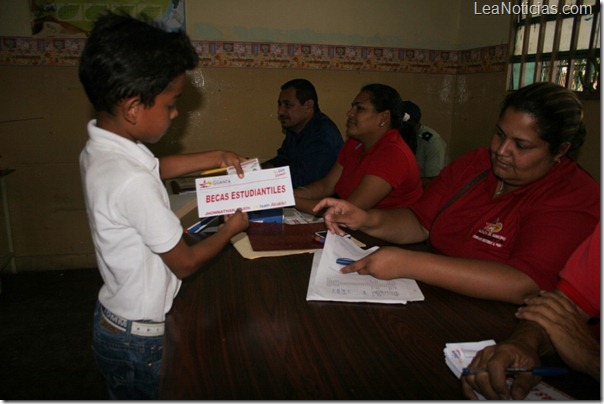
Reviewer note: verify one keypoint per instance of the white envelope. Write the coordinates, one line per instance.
(257, 190)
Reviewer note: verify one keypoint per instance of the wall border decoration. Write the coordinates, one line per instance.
(21, 51)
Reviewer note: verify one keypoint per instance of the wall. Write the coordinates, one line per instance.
(354, 22)
(230, 102)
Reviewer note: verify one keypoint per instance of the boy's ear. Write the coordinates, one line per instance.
(130, 108)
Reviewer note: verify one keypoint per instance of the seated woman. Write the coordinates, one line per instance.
(504, 220)
(376, 167)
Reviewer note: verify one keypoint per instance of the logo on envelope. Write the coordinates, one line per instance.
(207, 183)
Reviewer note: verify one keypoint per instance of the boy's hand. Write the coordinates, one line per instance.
(235, 223)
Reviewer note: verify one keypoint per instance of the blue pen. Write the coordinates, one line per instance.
(195, 228)
(344, 261)
(199, 226)
(537, 371)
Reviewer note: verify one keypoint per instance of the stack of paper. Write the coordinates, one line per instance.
(327, 283)
(460, 355)
(294, 216)
(247, 166)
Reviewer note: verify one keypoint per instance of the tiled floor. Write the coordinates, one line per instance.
(45, 336)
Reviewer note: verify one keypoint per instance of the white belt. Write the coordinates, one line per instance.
(142, 329)
(147, 329)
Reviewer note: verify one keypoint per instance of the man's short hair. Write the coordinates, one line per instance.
(304, 91)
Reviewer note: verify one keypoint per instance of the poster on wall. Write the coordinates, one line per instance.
(75, 18)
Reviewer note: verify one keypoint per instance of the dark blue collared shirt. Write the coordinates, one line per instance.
(310, 154)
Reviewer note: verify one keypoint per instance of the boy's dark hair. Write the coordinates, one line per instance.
(128, 57)
(304, 91)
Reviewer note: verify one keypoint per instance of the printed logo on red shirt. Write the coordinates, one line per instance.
(488, 234)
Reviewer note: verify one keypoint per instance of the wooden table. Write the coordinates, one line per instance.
(242, 329)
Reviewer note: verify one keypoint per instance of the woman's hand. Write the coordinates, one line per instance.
(566, 326)
(494, 360)
(341, 213)
(386, 263)
(229, 159)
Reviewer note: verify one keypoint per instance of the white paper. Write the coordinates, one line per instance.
(257, 190)
(327, 283)
(247, 167)
(294, 216)
(460, 355)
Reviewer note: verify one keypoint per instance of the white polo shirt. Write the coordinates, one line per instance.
(131, 223)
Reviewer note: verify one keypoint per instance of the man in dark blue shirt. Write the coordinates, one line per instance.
(312, 140)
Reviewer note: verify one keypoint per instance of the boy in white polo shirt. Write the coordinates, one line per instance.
(133, 71)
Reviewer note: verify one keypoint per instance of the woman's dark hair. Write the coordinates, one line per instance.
(386, 98)
(558, 113)
(127, 57)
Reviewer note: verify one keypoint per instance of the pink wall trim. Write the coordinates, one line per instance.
(66, 51)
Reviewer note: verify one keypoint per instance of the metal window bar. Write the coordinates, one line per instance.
(556, 46)
(586, 80)
(573, 48)
(525, 46)
(573, 68)
(511, 46)
(541, 39)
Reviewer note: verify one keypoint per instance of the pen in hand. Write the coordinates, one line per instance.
(537, 371)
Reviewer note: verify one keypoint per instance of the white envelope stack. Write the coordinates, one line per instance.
(459, 355)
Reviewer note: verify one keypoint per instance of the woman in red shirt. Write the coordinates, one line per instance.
(503, 219)
(376, 167)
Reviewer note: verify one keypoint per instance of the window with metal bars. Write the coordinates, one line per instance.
(557, 41)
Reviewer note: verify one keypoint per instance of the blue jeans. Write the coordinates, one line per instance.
(129, 363)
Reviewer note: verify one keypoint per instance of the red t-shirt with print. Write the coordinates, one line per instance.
(534, 229)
